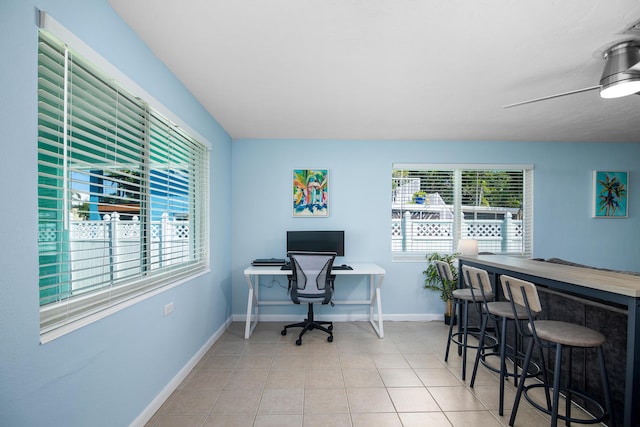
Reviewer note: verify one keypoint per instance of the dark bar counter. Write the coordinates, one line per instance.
(603, 300)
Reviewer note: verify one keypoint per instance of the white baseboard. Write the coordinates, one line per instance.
(156, 403)
(413, 317)
(344, 317)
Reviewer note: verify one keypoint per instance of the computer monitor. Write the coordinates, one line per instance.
(316, 241)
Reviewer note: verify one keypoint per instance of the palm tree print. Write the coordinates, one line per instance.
(612, 194)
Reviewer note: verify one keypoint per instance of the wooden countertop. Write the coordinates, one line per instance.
(618, 283)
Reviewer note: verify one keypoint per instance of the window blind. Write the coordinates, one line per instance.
(122, 192)
(434, 206)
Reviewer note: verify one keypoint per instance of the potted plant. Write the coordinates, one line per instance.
(419, 197)
(433, 282)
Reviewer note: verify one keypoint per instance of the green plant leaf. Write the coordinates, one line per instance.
(432, 280)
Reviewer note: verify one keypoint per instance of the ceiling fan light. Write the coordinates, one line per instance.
(617, 79)
(620, 89)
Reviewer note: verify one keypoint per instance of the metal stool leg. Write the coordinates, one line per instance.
(556, 385)
(525, 368)
(483, 330)
(464, 340)
(449, 338)
(503, 364)
(567, 406)
(605, 387)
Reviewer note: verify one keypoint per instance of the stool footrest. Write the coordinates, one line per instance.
(595, 420)
(532, 373)
(457, 338)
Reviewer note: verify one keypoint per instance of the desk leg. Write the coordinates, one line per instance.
(252, 301)
(376, 300)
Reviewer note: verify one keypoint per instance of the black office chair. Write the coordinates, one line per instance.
(311, 282)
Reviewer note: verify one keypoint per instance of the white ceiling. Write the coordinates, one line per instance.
(394, 69)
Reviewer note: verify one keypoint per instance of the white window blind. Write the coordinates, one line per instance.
(434, 206)
(122, 193)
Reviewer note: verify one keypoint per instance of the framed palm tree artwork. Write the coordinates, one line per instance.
(310, 193)
(610, 194)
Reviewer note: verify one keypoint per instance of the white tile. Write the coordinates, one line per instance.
(278, 420)
(399, 377)
(424, 419)
(376, 420)
(281, 402)
(325, 400)
(473, 418)
(455, 399)
(369, 400)
(358, 380)
(412, 399)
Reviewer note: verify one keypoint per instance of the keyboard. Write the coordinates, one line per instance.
(287, 266)
(268, 262)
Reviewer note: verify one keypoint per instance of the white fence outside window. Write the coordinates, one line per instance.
(110, 249)
(434, 235)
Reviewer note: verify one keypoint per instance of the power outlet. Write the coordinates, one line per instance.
(168, 308)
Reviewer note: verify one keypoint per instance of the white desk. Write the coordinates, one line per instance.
(374, 271)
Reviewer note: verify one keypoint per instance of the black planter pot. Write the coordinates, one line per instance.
(448, 320)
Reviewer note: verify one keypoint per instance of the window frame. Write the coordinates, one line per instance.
(59, 317)
(457, 169)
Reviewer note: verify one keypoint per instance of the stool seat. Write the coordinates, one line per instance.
(503, 309)
(500, 312)
(556, 337)
(465, 294)
(568, 334)
(473, 295)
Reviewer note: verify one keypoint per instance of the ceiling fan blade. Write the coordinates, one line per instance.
(558, 95)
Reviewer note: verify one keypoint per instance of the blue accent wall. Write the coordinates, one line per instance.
(360, 204)
(106, 373)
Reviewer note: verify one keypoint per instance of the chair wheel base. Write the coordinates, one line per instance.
(310, 324)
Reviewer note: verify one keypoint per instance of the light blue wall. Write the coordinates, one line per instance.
(108, 372)
(360, 185)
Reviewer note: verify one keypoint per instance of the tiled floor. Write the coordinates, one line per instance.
(358, 380)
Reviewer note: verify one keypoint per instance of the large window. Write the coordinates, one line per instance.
(434, 206)
(122, 193)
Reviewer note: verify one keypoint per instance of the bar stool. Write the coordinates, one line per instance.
(500, 312)
(551, 334)
(461, 300)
